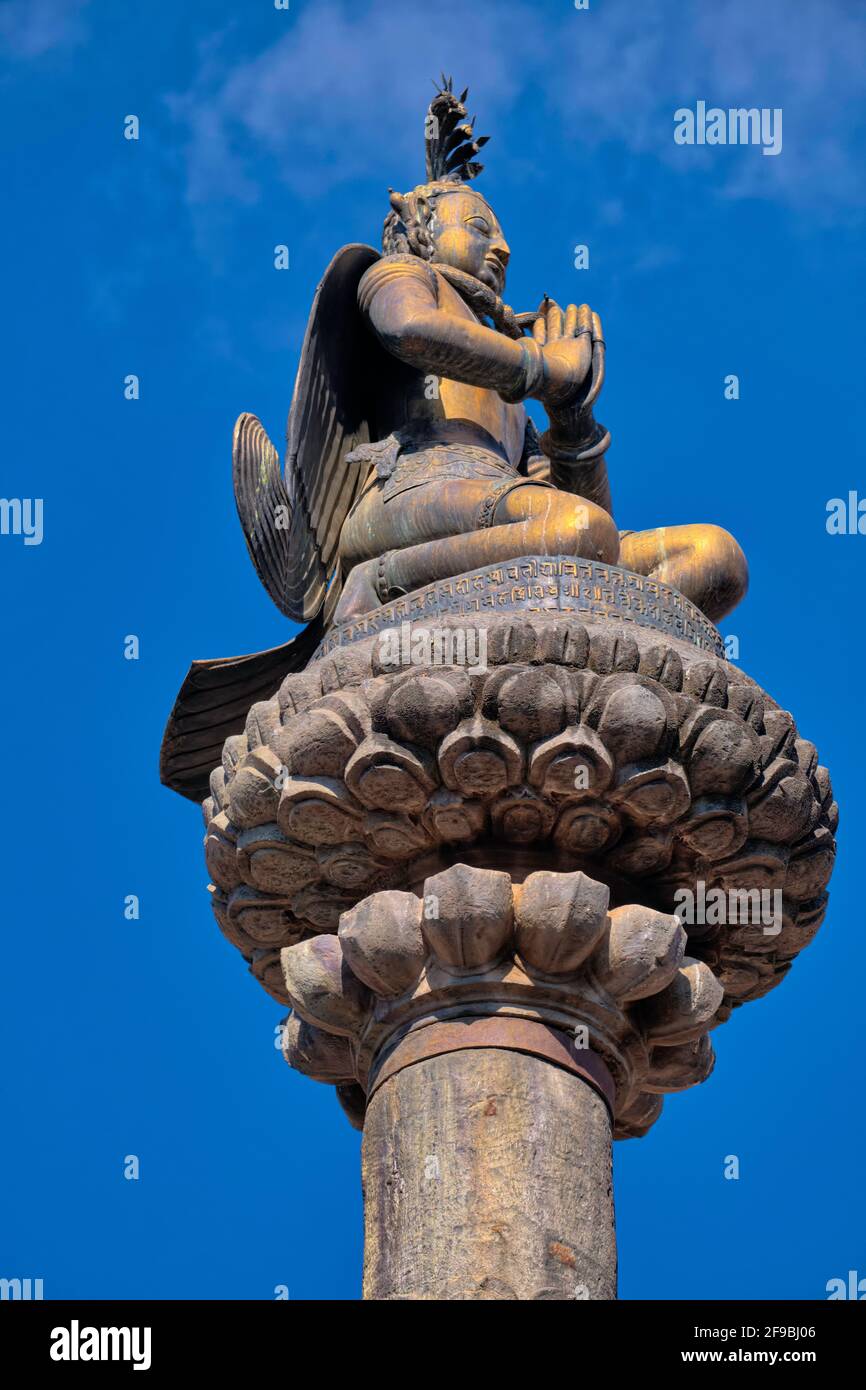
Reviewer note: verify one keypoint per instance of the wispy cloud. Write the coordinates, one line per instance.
(29, 28)
(339, 87)
(342, 85)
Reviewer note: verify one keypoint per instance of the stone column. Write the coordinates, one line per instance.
(496, 1027)
(487, 1175)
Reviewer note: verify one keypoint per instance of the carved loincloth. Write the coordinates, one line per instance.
(396, 467)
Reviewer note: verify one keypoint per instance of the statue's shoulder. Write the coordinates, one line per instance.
(399, 266)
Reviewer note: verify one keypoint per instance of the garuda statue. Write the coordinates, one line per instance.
(410, 455)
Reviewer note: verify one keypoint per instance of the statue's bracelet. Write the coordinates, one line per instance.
(532, 372)
(579, 452)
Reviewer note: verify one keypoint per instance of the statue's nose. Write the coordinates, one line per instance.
(501, 250)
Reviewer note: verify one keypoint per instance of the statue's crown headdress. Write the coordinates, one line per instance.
(449, 139)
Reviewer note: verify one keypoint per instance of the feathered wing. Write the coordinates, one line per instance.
(263, 506)
(213, 703)
(292, 525)
(331, 414)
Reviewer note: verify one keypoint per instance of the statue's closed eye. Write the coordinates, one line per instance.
(479, 222)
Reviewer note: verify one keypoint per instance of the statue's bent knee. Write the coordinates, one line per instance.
(703, 561)
(727, 572)
(565, 524)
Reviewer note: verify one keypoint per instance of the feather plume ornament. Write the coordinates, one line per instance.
(449, 137)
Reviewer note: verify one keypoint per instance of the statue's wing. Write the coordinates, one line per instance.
(292, 528)
(263, 507)
(330, 415)
(213, 703)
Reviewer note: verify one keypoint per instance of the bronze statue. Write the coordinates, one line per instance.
(410, 456)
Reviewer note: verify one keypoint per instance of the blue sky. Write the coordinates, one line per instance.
(155, 257)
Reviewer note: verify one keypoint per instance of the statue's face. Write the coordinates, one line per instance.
(467, 235)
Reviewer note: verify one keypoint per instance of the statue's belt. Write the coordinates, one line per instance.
(397, 464)
(441, 462)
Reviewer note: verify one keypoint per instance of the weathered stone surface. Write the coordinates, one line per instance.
(640, 760)
(472, 915)
(487, 1175)
(474, 945)
(322, 988)
(513, 841)
(558, 923)
(640, 952)
(383, 943)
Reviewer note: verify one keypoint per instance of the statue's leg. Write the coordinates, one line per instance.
(702, 561)
(425, 512)
(527, 520)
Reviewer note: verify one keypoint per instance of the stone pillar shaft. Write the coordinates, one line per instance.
(487, 1175)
